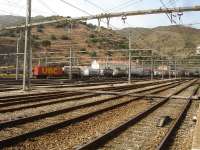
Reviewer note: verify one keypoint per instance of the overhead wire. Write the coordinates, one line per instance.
(169, 17)
(97, 6)
(21, 7)
(80, 9)
(125, 4)
(45, 5)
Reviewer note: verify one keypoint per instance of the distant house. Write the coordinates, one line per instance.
(198, 50)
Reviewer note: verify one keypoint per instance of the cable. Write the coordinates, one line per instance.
(130, 4)
(45, 5)
(75, 7)
(170, 18)
(67, 3)
(21, 8)
(95, 5)
(124, 5)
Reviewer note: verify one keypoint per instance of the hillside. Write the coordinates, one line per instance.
(168, 40)
(87, 43)
(10, 20)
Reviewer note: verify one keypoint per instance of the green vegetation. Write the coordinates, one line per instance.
(41, 26)
(189, 44)
(46, 43)
(53, 37)
(40, 30)
(92, 36)
(91, 26)
(62, 24)
(35, 43)
(94, 40)
(93, 54)
(35, 37)
(65, 37)
(8, 33)
(123, 46)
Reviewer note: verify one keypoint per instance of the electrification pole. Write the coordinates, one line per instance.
(27, 49)
(169, 70)
(70, 61)
(162, 70)
(70, 65)
(129, 53)
(46, 59)
(17, 55)
(175, 69)
(152, 66)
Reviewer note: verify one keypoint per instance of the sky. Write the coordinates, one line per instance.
(57, 7)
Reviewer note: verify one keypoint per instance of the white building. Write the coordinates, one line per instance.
(198, 50)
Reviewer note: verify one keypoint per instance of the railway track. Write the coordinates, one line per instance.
(12, 85)
(93, 111)
(60, 94)
(180, 134)
(33, 102)
(91, 103)
(140, 131)
(24, 96)
(183, 137)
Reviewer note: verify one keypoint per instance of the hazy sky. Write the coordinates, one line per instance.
(56, 7)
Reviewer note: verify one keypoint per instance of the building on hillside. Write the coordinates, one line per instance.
(198, 50)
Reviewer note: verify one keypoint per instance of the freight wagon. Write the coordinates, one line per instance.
(44, 72)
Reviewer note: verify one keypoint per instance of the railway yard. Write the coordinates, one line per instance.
(103, 114)
(99, 75)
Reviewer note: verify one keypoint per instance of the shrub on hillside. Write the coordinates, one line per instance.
(123, 46)
(91, 26)
(40, 30)
(35, 37)
(94, 40)
(8, 33)
(93, 54)
(46, 43)
(65, 37)
(53, 37)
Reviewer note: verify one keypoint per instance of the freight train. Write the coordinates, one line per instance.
(84, 72)
(88, 72)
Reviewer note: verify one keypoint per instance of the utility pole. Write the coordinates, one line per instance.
(27, 49)
(70, 65)
(175, 69)
(142, 63)
(169, 70)
(162, 70)
(17, 55)
(129, 53)
(152, 66)
(70, 61)
(46, 59)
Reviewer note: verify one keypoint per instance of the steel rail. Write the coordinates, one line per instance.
(47, 96)
(38, 132)
(101, 140)
(58, 112)
(164, 144)
(62, 100)
(24, 96)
